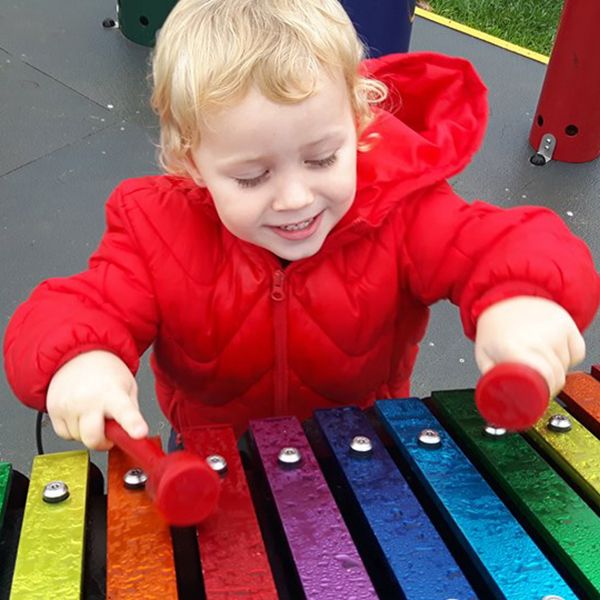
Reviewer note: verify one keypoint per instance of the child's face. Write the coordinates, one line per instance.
(281, 175)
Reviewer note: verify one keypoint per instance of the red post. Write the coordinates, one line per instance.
(569, 104)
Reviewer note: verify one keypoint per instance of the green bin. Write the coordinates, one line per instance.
(139, 20)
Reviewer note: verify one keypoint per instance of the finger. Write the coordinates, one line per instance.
(72, 424)
(559, 373)
(563, 355)
(484, 362)
(125, 412)
(91, 429)
(133, 392)
(60, 428)
(576, 345)
(549, 365)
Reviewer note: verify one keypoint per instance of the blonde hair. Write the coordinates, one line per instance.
(210, 52)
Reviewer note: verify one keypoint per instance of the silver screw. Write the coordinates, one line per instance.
(135, 479)
(289, 456)
(560, 423)
(430, 438)
(217, 463)
(55, 491)
(494, 432)
(361, 443)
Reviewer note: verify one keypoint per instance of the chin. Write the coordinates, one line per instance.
(304, 251)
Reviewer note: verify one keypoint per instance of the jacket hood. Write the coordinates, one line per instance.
(427, 130)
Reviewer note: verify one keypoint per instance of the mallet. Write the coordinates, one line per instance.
(512, 395)
(182, 485)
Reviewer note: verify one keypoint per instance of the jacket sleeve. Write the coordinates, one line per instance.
(478, 254)
(111, 306)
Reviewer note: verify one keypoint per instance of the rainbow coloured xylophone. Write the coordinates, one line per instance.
(414, 499)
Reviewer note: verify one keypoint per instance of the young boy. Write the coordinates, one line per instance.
(288, 258)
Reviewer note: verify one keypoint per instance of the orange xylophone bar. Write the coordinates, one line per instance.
(581, 395)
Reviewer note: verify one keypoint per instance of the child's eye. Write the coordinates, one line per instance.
(323, 162)
(253, 182)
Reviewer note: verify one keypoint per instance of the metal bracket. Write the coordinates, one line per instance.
(545, 150)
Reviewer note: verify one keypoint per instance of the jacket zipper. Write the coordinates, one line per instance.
(280, 378)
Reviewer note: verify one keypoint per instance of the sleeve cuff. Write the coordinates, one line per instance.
(504, 291)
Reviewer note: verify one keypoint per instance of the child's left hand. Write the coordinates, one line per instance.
(533, 331)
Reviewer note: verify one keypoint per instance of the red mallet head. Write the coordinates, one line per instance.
(185, 489)
(512, 395)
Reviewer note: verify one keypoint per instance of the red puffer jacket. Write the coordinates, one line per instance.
(236, 337)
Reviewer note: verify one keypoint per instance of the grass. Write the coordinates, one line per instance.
(528, 23)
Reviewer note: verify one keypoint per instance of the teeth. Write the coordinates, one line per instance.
(297, 226)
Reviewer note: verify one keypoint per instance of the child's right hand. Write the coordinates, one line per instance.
(88, 389)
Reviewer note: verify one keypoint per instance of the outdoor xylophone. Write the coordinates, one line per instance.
(351, 505)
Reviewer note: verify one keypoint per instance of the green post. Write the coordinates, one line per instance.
(139, 20)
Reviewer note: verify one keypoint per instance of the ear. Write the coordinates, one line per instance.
(194, 172)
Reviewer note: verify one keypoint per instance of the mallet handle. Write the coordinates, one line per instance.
(144, 452)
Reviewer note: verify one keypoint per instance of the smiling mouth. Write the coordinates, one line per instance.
(297, 226)
(301, 230)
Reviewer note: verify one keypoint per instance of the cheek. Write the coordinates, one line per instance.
(237, 214)
(343, 185)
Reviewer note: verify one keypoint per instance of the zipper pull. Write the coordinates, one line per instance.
(278, 291)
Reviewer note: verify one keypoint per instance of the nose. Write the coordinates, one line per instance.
(292, 194)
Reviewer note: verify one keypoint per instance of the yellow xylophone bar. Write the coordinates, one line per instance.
(571, 447)
(49, 562)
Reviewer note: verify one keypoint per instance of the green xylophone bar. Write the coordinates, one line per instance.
(561, 520)
(5, 473)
